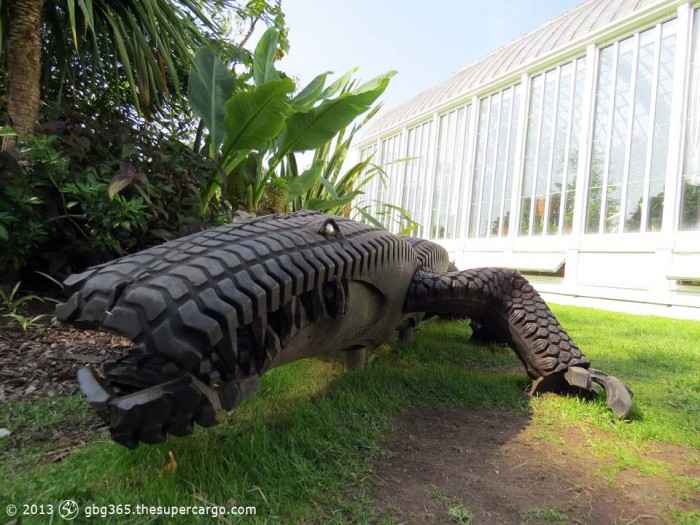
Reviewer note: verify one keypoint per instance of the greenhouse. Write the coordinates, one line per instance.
(572, 154)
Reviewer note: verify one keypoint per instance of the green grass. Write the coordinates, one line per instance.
(298, 449)
(456, 512)
(545, 516)
(36, 424)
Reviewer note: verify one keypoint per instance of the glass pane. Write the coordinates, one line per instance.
(690, 210)
(370, 188)
(510, 169)
(690, 198)
(620, 123)
(409, 179)
(642, 106)
(600, 139)
(394, 184)
(635, 193)
(563, 111)
(534, 117)
(460, 192)
(543, 159)
(441, 173)
(454, 202)
(445, 182)
(655, 208)
(450, 205)
(612, 208)
(482, 134)
(416, 178)
(500, 173)
(573, 153)
(489, 165)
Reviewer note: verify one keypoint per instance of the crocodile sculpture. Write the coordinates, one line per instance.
(211, 312)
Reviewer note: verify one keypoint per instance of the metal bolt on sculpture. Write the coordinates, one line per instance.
(209, 313)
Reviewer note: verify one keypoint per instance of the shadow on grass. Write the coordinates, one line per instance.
(294, 448)
(287, 450)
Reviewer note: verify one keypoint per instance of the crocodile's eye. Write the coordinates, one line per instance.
(329, 228)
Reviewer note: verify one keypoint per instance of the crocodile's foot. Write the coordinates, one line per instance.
(579, 381)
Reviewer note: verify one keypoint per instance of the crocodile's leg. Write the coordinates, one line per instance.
(355, 359)
(513, 312)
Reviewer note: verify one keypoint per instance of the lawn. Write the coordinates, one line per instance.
(302, 449)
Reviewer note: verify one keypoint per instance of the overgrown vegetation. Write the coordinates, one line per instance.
(294, 449)
(56, 210)
(99, 180)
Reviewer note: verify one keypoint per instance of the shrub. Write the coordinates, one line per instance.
(85, 192)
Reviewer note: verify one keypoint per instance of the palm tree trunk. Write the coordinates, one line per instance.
(24, 65)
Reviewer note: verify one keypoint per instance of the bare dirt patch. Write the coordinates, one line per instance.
(448, 465)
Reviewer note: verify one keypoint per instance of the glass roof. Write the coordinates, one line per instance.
(574, 25)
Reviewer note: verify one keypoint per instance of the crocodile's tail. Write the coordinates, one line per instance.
(506, 303)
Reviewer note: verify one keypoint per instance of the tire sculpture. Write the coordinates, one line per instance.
(209, 313)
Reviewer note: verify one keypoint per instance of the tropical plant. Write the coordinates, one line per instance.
(331, 186)
(11, 301)
(12, 306)
(25, 322)
(135, 53)
(257, 127)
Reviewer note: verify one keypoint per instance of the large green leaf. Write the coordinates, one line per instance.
(210, 86)
(311, 129)
(264, 57)
(328, 204)
(253, 117)
(339, 84)
(307, 97)
(304, 182)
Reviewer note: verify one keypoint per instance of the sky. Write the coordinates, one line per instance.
(423, 41)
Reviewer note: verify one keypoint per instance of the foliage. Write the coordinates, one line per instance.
(140, 51)
(330, 185)
(12, 307)
(26, 323)
(98, 182)
(210, 83)
(93, 190)
(263, 126)
(11, 301)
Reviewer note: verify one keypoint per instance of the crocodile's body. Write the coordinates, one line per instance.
(211, 312)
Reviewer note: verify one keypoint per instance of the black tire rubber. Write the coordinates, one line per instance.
(506, 302)
(211, 311)
(430, 255)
